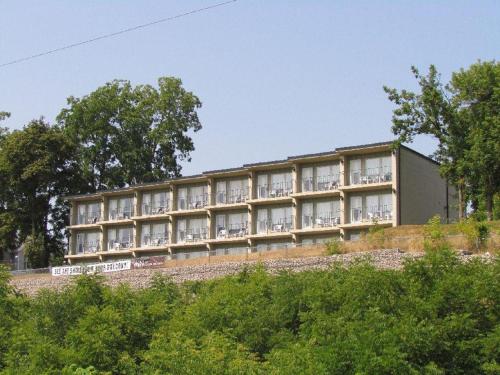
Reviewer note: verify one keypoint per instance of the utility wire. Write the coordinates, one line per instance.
(110, 35)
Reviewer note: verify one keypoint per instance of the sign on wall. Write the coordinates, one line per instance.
(91, 268)
(149, 262)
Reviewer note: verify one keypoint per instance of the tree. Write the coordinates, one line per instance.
(463, 117)
(36, 166)
(477, 96)
(129, 135)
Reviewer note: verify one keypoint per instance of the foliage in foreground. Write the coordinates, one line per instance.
(436, 316)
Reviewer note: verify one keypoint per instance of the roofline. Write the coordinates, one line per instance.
(421, 155)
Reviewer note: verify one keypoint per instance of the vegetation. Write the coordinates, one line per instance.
(116, 135)
(436, 316)
(464, 117)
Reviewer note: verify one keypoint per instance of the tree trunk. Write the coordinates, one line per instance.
(461, 205)
(489, 206)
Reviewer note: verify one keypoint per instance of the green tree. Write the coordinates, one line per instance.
(463, 116)
(129, 135)
(36, 165)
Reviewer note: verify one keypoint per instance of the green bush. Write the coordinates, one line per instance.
(476, 232)
(437, 315)
(434, 238)
(334, 246)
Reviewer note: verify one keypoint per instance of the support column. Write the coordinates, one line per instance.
(396, 220)
(343, 204)
(104, 238)
(210, 191)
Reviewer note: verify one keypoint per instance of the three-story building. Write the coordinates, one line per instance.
(302, 199)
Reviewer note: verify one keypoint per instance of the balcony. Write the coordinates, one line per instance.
(322, 220)
(321, 183)
(192, 202)
(88, 247)
(276, 190)
(371, 214)
(120, 244)
(232, 197)
(155, 208)
(92, 217)
(232, 231)
(282, 225)
(155, 240)
(193, 235)
(121, 214)
(371, 176)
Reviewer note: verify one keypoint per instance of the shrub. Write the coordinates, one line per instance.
(476, 232)
(376, 236)
(334, 246)
(434, 239)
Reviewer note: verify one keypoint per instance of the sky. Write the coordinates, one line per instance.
(276, 78)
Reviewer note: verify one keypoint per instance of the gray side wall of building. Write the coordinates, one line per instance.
(423, 192)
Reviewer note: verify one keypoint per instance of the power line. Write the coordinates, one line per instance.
(110, 35)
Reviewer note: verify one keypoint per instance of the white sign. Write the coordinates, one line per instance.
(91, 268)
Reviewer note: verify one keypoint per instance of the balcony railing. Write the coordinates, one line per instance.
(121, 213)
(90, 217)
(192, 202)
(192, 235)
(371, 176)
(232, 231)
(321, 220)
(232, 196)
(155, 208)
(276, 190)
(155, 240)
(371, 214)
(88, 247)
(321, 183)
(120, 244)
(277, 226)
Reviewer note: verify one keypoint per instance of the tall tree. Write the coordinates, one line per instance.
(450, 113)
(37, 166)
(132, 134)
(477, 97)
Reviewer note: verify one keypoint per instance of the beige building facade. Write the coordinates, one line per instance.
(303, 199)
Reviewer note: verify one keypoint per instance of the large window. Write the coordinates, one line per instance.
(89, 213)
(321, 214)
(121, 208)
(278, 219)
(192, 230)
(231, 191)
(370, 170)
(120, 238)
(192, 197)
(274, 185)
(231, 225)
(155, 203)
(321, 178)
(373, 207)
(154, 234)
(88, 242)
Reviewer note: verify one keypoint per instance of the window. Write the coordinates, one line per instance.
(274, 185)
(192, 230)
(231, 225)
(155, 234)
(371, 207)
(88, 242)
(320, 214)
(121, 208)
(192, 197)
(277, 219)
(89, 213)
(155, 203)
(231, 191)
(120, 238)
(370, 170)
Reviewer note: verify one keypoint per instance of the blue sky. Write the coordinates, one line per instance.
(276, 78)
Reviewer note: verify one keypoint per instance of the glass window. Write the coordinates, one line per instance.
(307, 215)
(307, 179)
(355, 171)
(221, 192)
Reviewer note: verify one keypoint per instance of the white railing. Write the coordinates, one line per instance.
(121, 213)
(371, 175)
(192, 235)
(88, 247)
(120, 244)
(232, 196)
(277, 226)
(371, 214)
(321, 220)
(232, 231)
(321, 183)
(192, 202)
(276, 190)
(155, 208)
(91, 217)
(155, 240)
